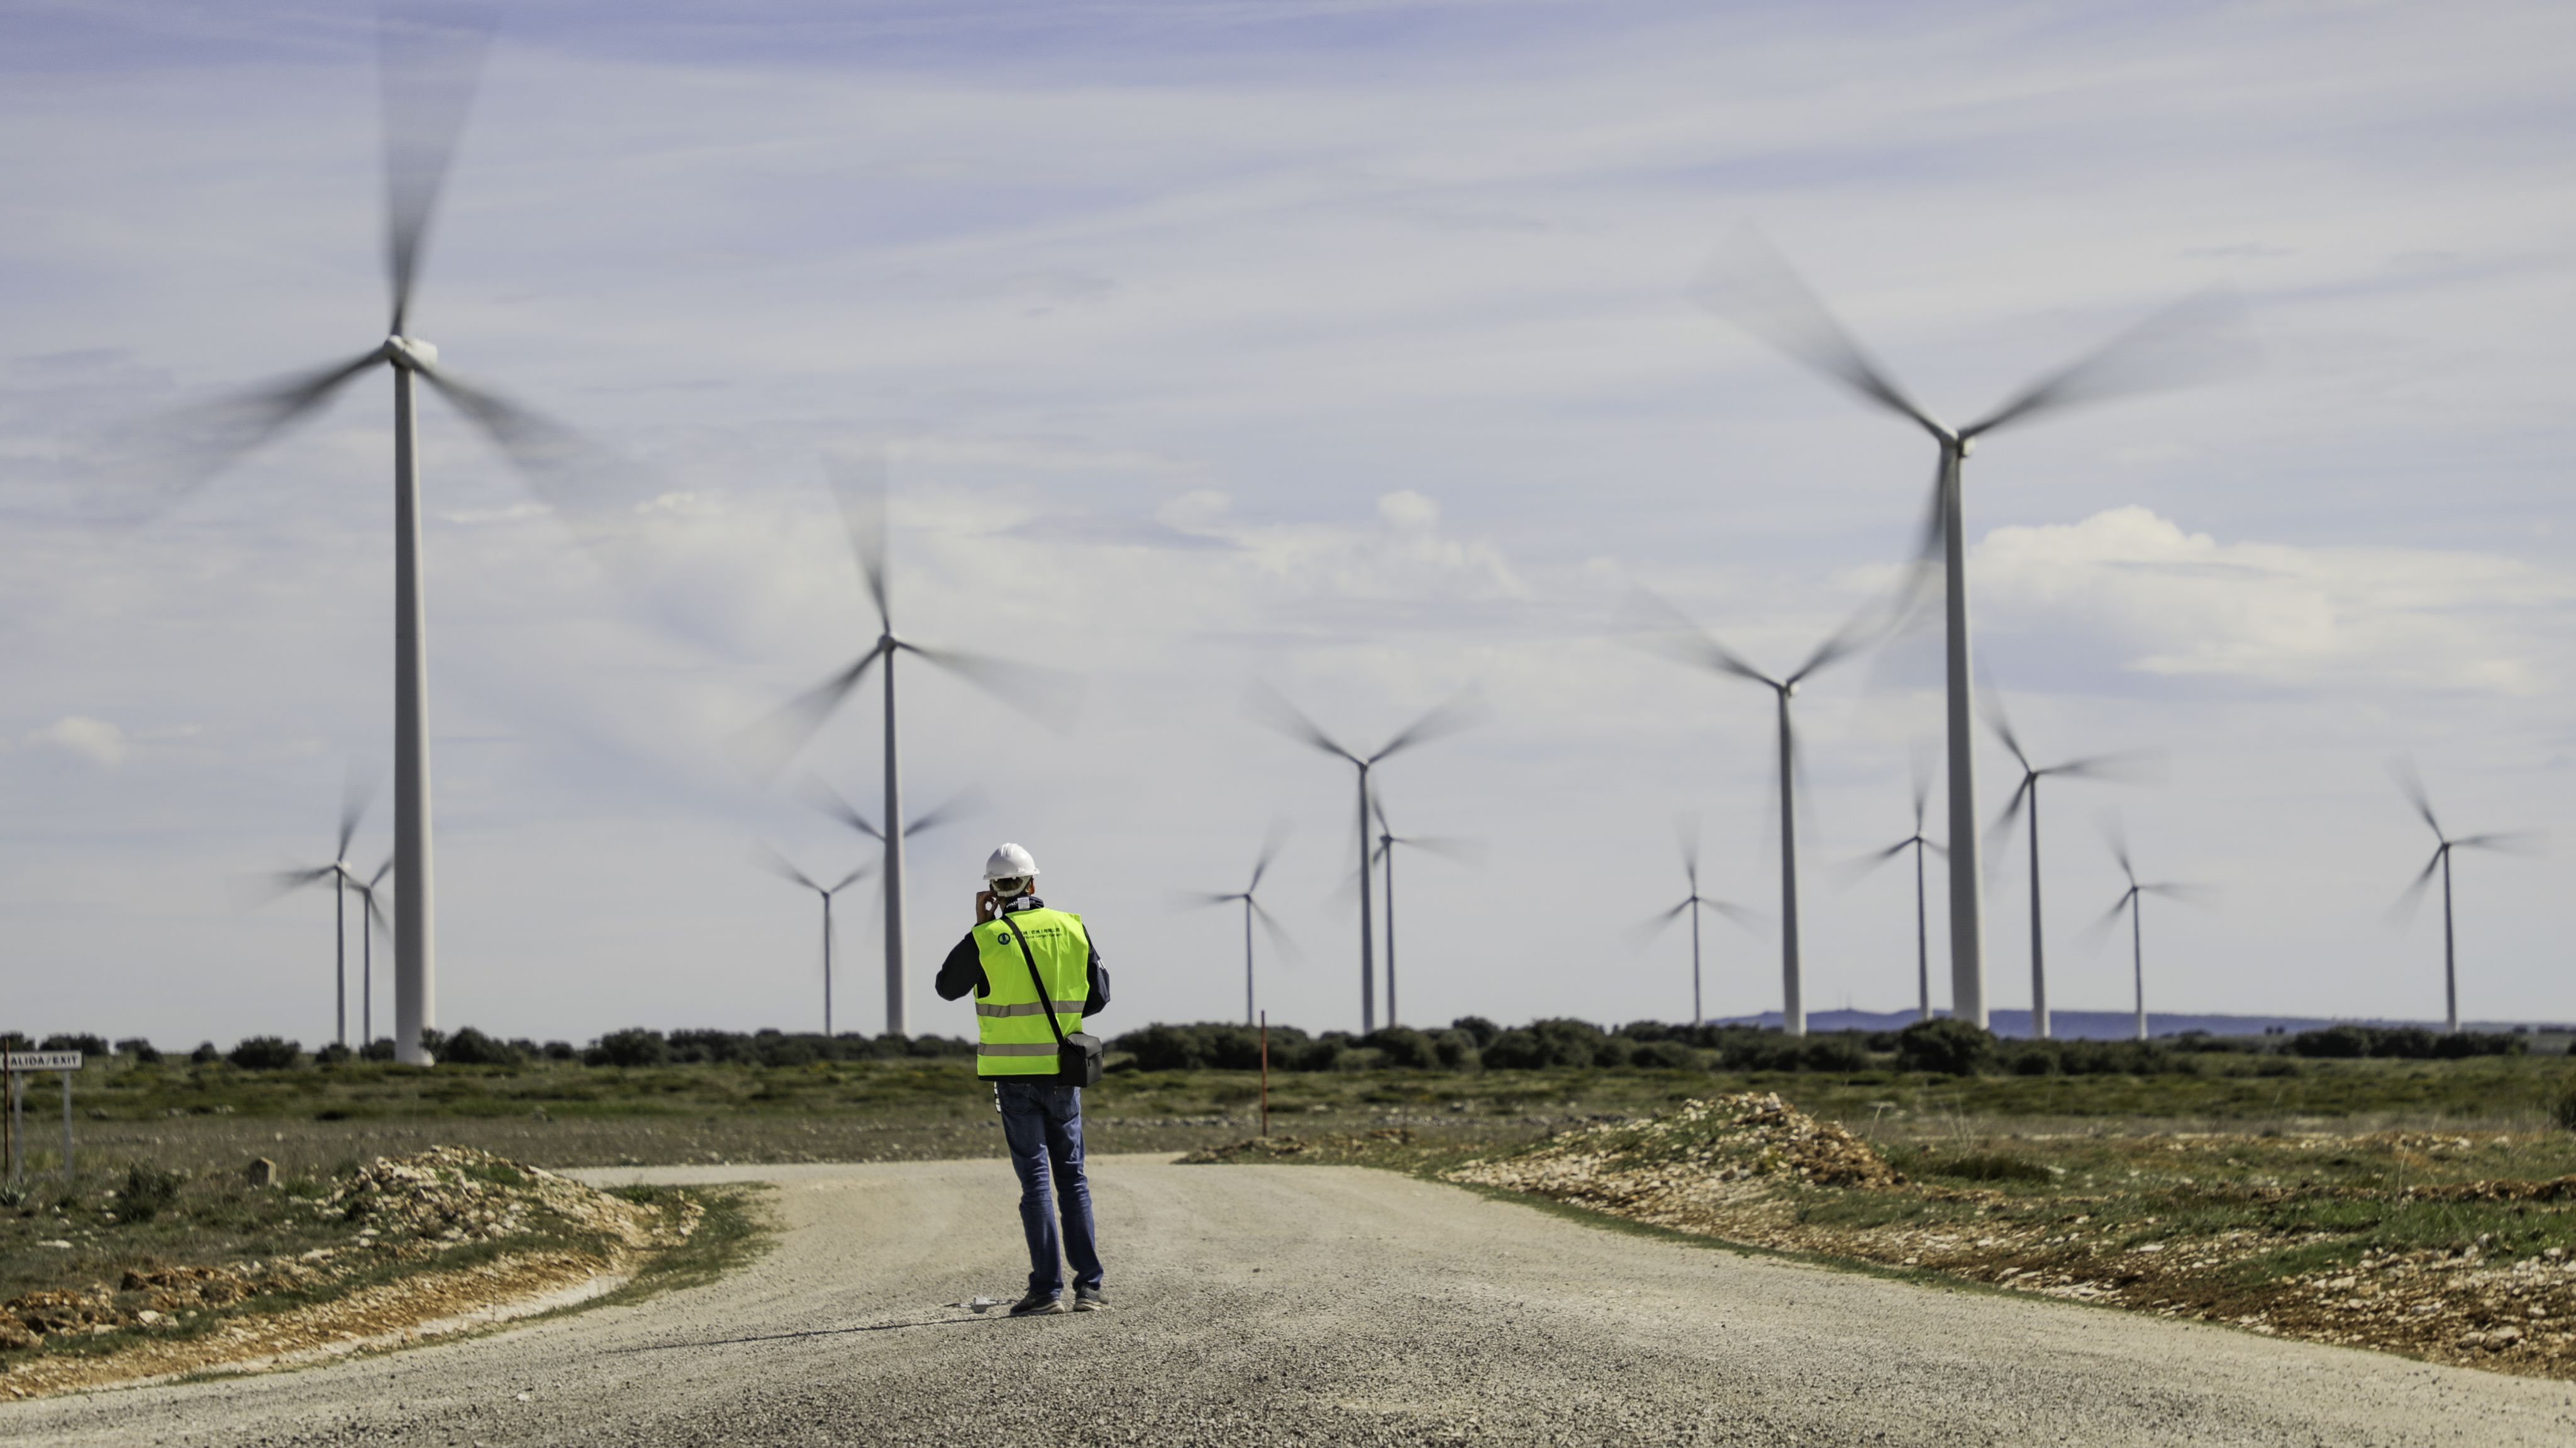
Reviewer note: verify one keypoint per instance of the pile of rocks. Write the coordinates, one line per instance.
(402, 1208)
(1665, 1166)
(450, 1195)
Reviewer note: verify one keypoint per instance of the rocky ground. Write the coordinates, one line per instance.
(438, 1236)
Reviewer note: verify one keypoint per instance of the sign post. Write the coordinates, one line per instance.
(16, 1064)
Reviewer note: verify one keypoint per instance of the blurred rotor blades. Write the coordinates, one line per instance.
(2401, 912)
(2410, 784)
(957, 806)
(2199, 338)
(777, 864)
(1462, 710)
(356, 792)
(764, 748)
(1659, 627)
(1269, 707)
(431, 61)
(812, 789)
(1643, 933)
(1270, 846)
(1289, 951)
(852, 878)
(860, 484)
(155, 462)
(1750, 284)
(1048, 696)
(2511, 842)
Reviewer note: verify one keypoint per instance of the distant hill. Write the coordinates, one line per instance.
(2121, 1025)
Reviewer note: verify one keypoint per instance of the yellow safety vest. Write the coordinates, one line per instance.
(1011, 1035)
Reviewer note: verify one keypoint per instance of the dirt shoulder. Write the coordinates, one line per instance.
(397, 1250)
(2430, 1245)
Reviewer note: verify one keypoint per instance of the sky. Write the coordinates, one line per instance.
(1350, 350)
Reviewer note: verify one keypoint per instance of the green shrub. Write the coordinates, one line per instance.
(1945, 1044)
(147, 1190)
(265, 1053)
(470, 1047)
(633, 1046)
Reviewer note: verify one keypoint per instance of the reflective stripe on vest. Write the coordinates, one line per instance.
(1027, 1008)
(1011, 1016)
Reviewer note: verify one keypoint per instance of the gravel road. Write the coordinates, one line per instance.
(1311, 1305)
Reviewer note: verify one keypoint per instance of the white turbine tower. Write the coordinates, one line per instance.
(2133, 900)
(1461, 711)
(430, 66)
(1249, 897)
(2123, 768)
(1922, 920)
(777, 864)
(1686, 830)
(1673, 635)
(2512, 842)
(1045, 694)
(1751, 285)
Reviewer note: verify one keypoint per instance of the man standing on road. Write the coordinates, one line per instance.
(1021, 960)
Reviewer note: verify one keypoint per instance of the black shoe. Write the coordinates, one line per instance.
(1037, 1304)
(1088, 1299)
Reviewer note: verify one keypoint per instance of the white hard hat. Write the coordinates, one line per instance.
(1010, 862)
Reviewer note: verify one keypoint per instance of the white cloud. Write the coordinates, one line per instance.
(95, 740)
(2172, 602)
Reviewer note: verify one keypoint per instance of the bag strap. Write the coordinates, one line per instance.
(1046, 998)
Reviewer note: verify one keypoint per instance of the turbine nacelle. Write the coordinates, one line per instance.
(410, 353)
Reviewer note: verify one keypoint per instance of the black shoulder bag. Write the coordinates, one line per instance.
(1077, 1056)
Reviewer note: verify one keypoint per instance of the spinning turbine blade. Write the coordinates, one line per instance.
(590, 486)
(356, 791)
(431, 62)
(776, 864)
(948, 811)
(1048, 696)
(2090, 938)
(765, 747)
(2511, 842)
(852, 878)
(2401, 911)
(1661, 628)
(1643, 933)
(2129, 766)
(1270, 845)
(1267, 706)
(2411, 784)
(1750, 284)
(159, 460)
(1463, 710)
(2198, 338)
(859, 483)
(828, 800)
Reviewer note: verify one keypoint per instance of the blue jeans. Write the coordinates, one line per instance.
(1042, 1122)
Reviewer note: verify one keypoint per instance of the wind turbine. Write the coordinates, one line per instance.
(776, 864)
(860, 485)
(2514, 842)
(1922, 926)
(1687, 832)
(1461, 711)
(1387, 840)
(2109, 768)
(1676, 637)
(1249, 895)
(2133, 900)
(375, 917)
(429, 69)
(354, 796)
(1752, 285)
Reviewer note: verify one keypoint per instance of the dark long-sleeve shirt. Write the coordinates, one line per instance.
(963, 970)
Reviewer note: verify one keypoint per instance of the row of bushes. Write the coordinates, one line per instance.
(1940, 1045)
(1466, 1044)
(471, 1047)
